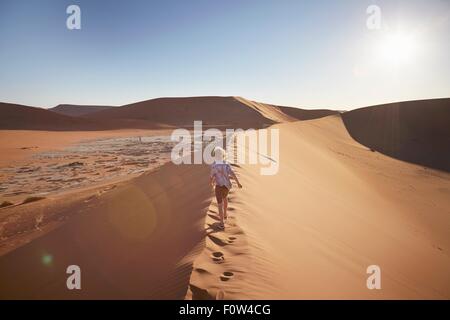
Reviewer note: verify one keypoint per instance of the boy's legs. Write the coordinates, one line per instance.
(225, 202)
(219, 198)
(221, 214)
(225, 206)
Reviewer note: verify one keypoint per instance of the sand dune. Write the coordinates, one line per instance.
(304, 114)
(269, 111)
(413, 131)
(236, 112)
(184, 111)
(77, 110)
(17, 117)
(233, 112)
(133, 241)
(334, 208)
(341, 209)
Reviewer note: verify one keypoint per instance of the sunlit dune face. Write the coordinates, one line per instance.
(396, 49)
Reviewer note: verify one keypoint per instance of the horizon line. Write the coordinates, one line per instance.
(227, 96)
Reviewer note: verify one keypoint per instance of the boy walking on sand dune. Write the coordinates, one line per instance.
(220, 176)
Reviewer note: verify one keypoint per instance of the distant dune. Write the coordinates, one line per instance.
(77, 110)
(413, 131)
(184, 111)
(233, 112)
(230, 111)
(269, 111)
(14, 116)
(304, 114)
(19, 117)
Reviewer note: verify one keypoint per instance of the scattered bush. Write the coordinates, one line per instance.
(6, 204)
(32, 199)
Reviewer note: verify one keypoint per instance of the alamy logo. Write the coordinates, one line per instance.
(74, 280)
(242, 146)
(374, 280)
(73, 21)
(373, 21)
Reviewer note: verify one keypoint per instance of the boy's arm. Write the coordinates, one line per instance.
(233, 176)
(212, 179)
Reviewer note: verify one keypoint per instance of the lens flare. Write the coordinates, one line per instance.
(47, 259)
(133, 215)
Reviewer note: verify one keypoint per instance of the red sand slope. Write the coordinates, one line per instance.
(333, 209)
(134, 241)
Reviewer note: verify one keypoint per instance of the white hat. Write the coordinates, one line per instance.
(219, 153)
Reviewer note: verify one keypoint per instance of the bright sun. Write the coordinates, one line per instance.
(397, 48)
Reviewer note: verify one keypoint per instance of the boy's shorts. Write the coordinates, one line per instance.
(221, 193)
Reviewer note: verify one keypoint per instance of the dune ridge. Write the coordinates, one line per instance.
(267, 110)
(343, 208)
(184, 111)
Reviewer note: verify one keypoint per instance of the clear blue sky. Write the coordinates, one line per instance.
(298, 53)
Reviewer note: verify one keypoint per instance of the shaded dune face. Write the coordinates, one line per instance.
(413, 131)
(135, 241)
